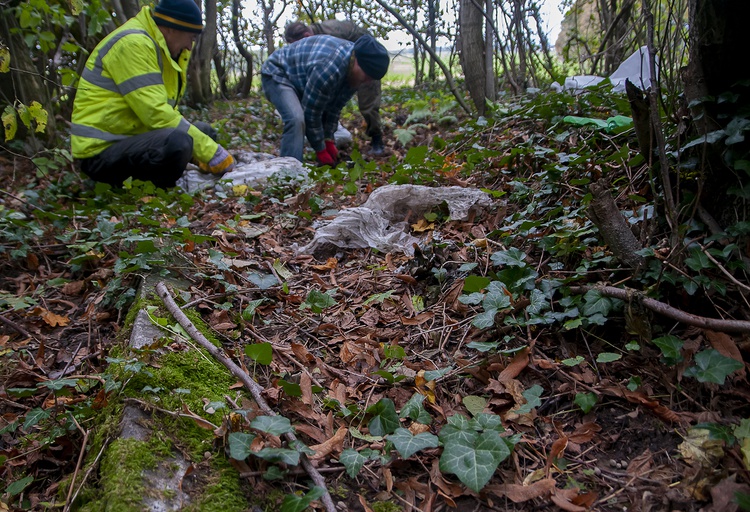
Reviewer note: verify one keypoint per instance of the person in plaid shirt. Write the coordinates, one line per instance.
(311, 80)
(368, 95)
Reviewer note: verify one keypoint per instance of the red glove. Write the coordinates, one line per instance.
(331, 148)
(325, 158)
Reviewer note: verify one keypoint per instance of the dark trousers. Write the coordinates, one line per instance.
(159, 156)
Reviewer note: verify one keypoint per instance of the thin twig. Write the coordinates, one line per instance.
(255, 389)
(78, 464)
(713, 324)
(20, 330)
(88, 472)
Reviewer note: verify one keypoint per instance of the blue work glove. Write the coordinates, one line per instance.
(221, 162)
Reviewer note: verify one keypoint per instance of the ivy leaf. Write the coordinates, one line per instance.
(262, 280)
(249, 312)
(436, 374)
(459, 430)
(261, 353)
(608, 357)
(474, 404)
(290, 388)
(414, 410)
(274, 425)
(285, 455)
(497, 300)
(484, 320)
(532, 396)
(385, 420)
(352, 460)
(711, 366)
(294, 503)
(512, 257)
(572, 361)
(19, 485)
(595, 302)
(475, 464)
(485, 421)
(408, 444)
(670, 348)
(483, 346)
(473, 284)
(239, 445)
(34, 416)
(317, 301)
(586, 401)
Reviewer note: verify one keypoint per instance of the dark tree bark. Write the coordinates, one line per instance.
(717, 69)
(613, 227)
(244, 87)
(470, 21)
(199, 76)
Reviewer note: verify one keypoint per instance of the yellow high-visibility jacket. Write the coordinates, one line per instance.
(131, 85)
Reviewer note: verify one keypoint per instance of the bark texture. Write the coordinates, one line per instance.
(612, 225)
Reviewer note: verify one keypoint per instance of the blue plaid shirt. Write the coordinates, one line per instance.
(317, 68)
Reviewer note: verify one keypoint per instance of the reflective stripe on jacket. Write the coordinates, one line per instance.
(131, 85)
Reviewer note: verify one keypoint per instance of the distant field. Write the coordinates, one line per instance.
(401, 70)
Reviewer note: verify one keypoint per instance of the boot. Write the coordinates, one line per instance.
(377, 149)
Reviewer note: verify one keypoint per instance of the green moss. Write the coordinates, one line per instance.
(222, 494)
(121, 485)
(386, 506)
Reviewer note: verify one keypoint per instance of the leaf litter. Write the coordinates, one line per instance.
(356, 337)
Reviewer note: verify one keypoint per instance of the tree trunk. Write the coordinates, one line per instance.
(432, 33)
(199, 76)
(472, 57)
(718, 40)
(489, 52)
(244, 88)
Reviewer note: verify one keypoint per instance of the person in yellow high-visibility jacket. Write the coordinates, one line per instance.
(125, 121)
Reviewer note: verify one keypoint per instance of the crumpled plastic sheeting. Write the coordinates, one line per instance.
(380, 222)
(635, 68)
(252, 169)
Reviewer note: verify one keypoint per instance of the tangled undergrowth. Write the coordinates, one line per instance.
(496, 368)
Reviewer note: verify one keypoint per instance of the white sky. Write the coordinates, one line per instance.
(551, 18)
(400, 39)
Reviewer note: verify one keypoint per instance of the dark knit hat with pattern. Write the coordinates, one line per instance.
(183, 15)
(371, 56)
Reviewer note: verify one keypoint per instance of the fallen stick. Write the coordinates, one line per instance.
(254, 388)
(712, 324)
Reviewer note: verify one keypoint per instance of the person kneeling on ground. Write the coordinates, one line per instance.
(310, 81)
(368, 95)
(125, 121)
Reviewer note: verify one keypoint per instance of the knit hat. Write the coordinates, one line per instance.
(371, 56)
(183, 15)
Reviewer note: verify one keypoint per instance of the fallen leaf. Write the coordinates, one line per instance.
(330, 263)
(722, 495)
(725, 345)
(52, 319)
(563, 499)
(641, 465)
(518, 493)
(584, 432)
(334, 444)
(558, 448)
(520, 361)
